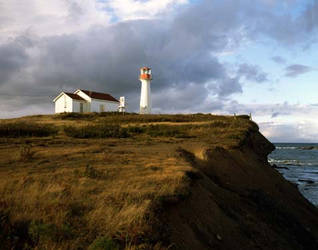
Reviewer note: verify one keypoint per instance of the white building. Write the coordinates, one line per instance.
(85, 101)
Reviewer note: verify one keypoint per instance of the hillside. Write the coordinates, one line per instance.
(113, 181)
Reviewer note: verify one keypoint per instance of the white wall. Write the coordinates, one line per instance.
(108, 105)
(76, 106)
(64, 104)
(145, 97)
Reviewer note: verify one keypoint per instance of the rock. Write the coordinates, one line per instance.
(307, 181)
(277, 167)
(219, 237)
(308, 148)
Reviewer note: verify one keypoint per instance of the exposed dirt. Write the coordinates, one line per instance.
(239, 202)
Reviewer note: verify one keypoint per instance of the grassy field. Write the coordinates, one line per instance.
(100, 181)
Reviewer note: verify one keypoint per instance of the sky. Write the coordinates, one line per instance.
(207, 56)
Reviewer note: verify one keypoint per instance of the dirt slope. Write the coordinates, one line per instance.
(239, 202)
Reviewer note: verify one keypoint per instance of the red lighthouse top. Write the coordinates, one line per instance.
(145, 73)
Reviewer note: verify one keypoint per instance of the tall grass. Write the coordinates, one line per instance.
(116, 117)
(116, 131)
(97, 131)
(23, 129)
(97, 193)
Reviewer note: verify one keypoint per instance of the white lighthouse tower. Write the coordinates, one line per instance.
(145, 98)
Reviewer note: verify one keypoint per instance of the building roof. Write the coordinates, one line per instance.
(74, 96)
(100, 96)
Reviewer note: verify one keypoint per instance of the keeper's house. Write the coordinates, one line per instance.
(85, 101)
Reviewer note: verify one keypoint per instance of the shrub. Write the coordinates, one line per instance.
(166, 131)
(41, 231)
(97, 131)
(135, 130)
(91, 172)
(26, 153)
(22, 129)
(115, 131)
(103, 243)
(73, 116)
(219, 124)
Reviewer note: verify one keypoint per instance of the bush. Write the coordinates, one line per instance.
(115, 131)
(219, 124)
(97, 131)
(103, 243)
(93, 173)
(22, 129)
(136, 130)
(166, 131)
(39, 231)
(26, 153)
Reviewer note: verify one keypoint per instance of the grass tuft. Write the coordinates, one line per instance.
(103, 243)
(26, 153)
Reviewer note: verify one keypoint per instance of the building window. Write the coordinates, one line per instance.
(81, 107)
(101, 108)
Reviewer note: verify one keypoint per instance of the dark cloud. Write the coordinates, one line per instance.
(252, 73)
(295, 70)
(182, 50)
(108, 59)
(13, 57)
(277, 114)
(311, 16)
(279, 59)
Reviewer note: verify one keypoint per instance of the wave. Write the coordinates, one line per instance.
(291, 162)
(277, 147)
(300, 147)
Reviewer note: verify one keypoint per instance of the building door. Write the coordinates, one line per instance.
(81, 107)
(101, 108)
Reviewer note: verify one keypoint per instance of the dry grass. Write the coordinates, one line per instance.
(62, 193)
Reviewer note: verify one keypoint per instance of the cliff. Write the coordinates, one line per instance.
(239, 202)
(146, 182)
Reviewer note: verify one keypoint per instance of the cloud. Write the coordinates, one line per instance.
(290, 132)
(295, 70)
(59, 45)
(279, 60)
(310, 16)
(45, 18)
(101, 59)
(13, 57)
(139, 9)
(252, 73)
(282, 122)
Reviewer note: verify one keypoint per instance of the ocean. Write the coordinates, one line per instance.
(298, 163)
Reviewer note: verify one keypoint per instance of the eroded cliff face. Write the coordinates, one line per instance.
(238, 201)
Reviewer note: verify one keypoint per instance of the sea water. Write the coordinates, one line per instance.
(298, 163)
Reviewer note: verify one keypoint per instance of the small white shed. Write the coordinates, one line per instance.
(85, 101)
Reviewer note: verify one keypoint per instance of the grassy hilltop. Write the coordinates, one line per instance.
(113, 181)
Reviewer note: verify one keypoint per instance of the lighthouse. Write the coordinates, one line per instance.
(145, 98)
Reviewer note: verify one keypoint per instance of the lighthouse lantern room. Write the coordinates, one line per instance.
(145, 98)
